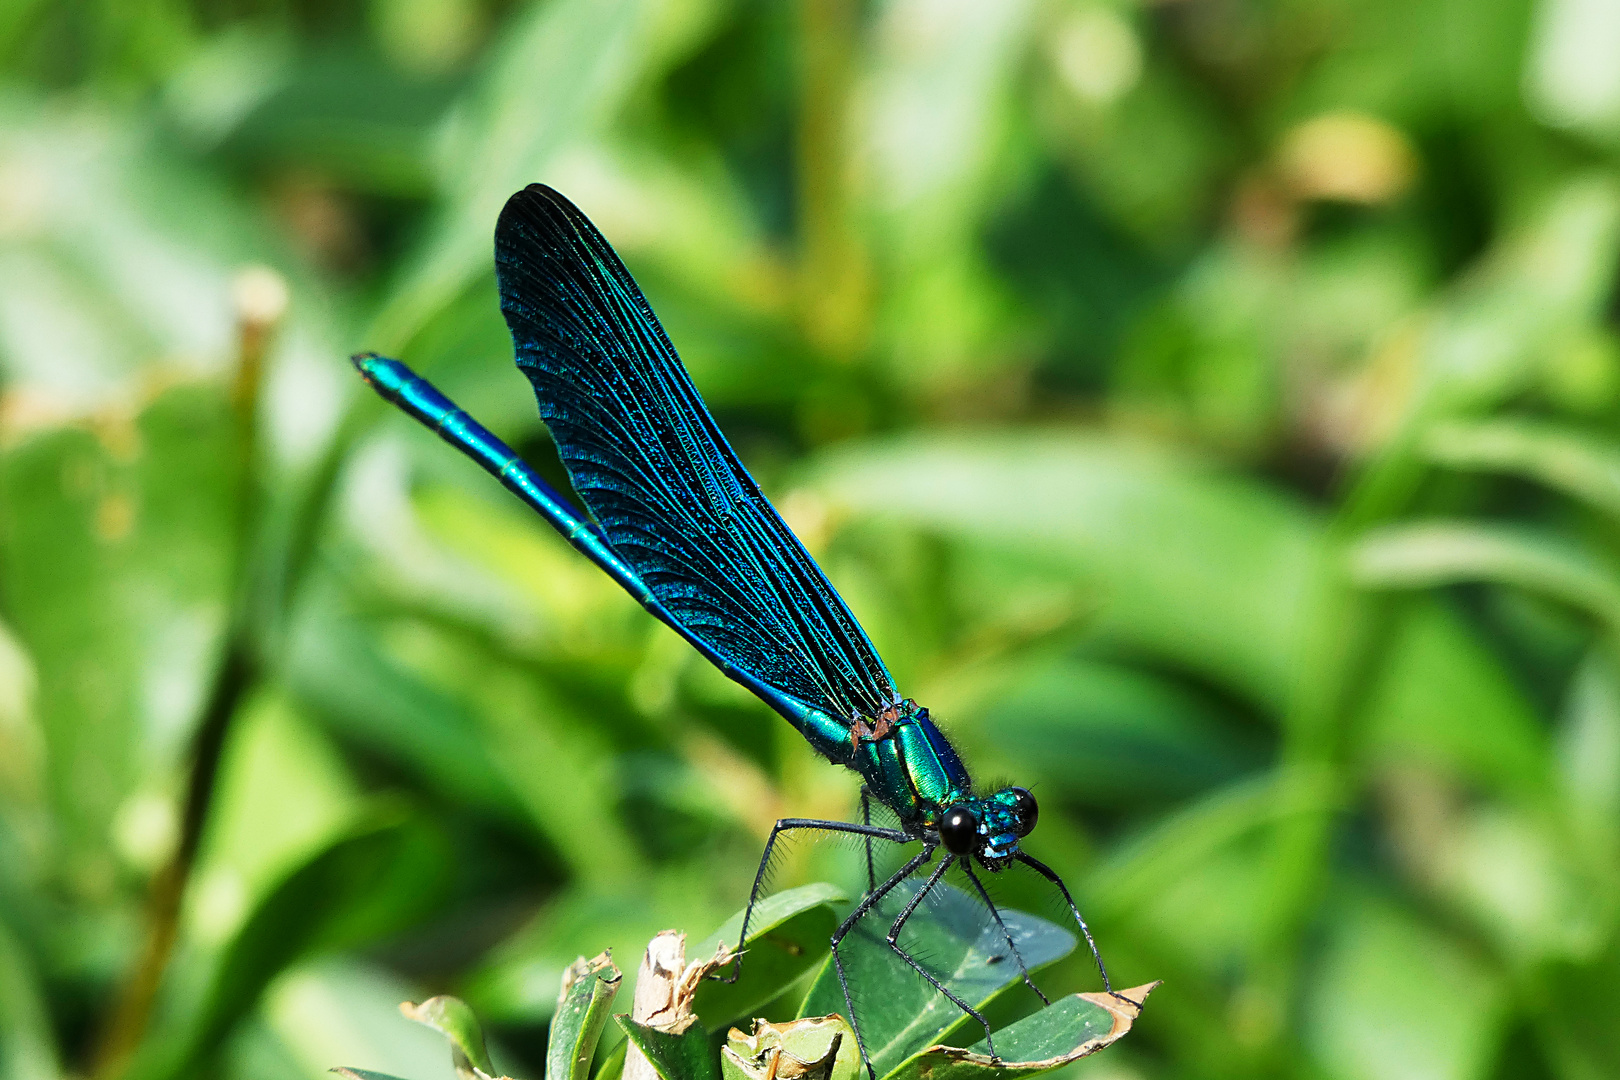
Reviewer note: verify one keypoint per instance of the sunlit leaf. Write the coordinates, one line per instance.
(1589, 747)
(1442, 553)
(1579, 464)
(1200, 567)
(1065, 1031)
(812, 1048)
(115, 550)
(790, 932)
(1396, 999)
(583, 1007)
(683, 1056)
(451, 1017)
(378, 879)
(897, 1011)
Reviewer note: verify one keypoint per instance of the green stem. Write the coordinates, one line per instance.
(237, 671)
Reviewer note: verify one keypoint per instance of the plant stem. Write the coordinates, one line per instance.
(261, 299)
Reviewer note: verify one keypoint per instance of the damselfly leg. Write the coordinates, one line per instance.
(1051, 875)
(868, 831)
(867, 904)
(866, 817)
(995, 914)
(894, 943)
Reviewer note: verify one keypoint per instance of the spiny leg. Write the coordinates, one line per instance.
(893, 939)
(866, 818)
(848, 924)
(870, 832)
(1051, 875)
(1011, 944)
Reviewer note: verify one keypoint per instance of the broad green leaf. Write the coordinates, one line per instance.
(114, 561)
(1443, 700)
(951, 935)
(811, 1048)
(381, 877)
(1539, 282)
(686, 1056)
(254, 837)
(1443, 553)
(790, 932)
(339, 672)
(1109, 735)
(1394, 998)
(1581, 465)
(337, 1008)
(1065, 1031)
(583, 1006)
(1219, 588)
(1522, 882)
(451, 1017)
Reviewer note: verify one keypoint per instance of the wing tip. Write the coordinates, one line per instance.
(538, 198)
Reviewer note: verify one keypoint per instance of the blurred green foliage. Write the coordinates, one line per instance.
(1207, 406)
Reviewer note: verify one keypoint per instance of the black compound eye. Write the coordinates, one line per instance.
(959, 830)
(1026, 809)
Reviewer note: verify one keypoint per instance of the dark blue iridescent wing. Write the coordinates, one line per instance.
(648, 460)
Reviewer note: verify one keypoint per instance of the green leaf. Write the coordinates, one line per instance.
(1589, 748)
(1220, 589)
(27, 1043)
(376, 880)
(1065, 1031)
(1393, 998)
(362, 1074)
(952, 938)
(1442, 698)
(1107, 735)
(1443, 553)
(812, 1048)
(1578, 1019)
(789, 933)
(338, 671)
(451, 1017)
(582, 57)
(588, 989)
(1580, 465)
(682, 1056)
(337, 1009)
(1553, 275)
(114, 563)
(613, 1064)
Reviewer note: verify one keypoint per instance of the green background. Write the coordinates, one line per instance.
(1208, 407)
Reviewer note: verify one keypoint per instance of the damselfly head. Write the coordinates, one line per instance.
(989, 827)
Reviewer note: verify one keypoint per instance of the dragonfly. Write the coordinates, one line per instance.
(673, 517)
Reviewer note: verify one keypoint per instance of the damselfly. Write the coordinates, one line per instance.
(676, 520)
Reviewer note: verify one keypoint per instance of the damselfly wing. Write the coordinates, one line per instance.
(675, 518)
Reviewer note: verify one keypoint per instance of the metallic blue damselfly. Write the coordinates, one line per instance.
(676, 520)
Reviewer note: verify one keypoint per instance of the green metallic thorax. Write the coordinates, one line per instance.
(908, 764)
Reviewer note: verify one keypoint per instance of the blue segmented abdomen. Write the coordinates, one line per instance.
(398, 384)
